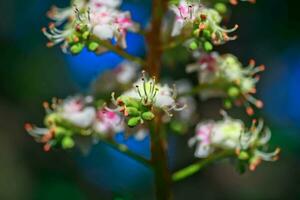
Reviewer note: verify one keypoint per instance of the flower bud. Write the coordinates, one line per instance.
(193, 46)
(207, 34)
(132, 111)
(221, 8)
(148, 115)
(243, 155)
(67, 143)
(134, 121)
(233, 92)
(93, 46)
(85, 35)
(207, 46)
(76, 48)
(227, 104)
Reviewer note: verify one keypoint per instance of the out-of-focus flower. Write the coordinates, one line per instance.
(200, 25)
(126, 72)
(89, 24)
(225, 76)
(139, 103)
(231, 134)
(76, 112)
(108, 122)
(72, 118)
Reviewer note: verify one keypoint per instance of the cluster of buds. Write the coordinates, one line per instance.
(231, 134)
(73, 117)
(88, 24)
(139, 103)
(201, 26)
(228, 78)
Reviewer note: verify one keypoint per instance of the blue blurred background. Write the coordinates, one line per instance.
(31, 73)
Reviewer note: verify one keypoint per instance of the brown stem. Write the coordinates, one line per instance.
(158, 141)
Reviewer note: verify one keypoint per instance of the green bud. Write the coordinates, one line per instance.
(178, 127)
(132, 111)
(93, 46)
(148, 115)
(233, 92)
(51, 119)
(85, 35)
(207, 34)
(129, 102)
(60, 131)
(76, 48)
(196, 32)
(243, 155)
(133, 121)
(67, 143)
(227, 104)
(193, 46)
(221, 8)
(207, 46)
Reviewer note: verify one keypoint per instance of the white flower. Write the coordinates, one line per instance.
(126, 72)
(184, 14)
(164, 97)
(202, 139)
(223, 134)
(107, 121)
(226, 133)
(95, 4)
(230, 68)
(149, 93)
(60, 15)
(75, 111)
(141, 134)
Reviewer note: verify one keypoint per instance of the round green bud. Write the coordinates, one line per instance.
(85, 35)
(233, 92)
(221, 8)
(52, 118)
(133, 121)
(243, 155)
(76, 48)
(60, 131)
(227, 104)
(93, 46)
(207, 34)
(129, 102)
(196, 32)
(193, 46)
(67, 143)
(132, 111)
(207, 46)
(148, 116)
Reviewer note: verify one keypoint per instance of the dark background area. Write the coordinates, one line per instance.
(31, 73)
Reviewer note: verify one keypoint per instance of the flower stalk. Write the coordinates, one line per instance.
(195, 167)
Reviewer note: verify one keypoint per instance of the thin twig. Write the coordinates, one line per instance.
(193, 168)
(118, 50)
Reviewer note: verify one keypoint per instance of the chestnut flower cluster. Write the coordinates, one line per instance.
(201, 26)
(139, 103)
(231, 134)
(73, 118)
(99, 26)
(224, 76)
(89, 24)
